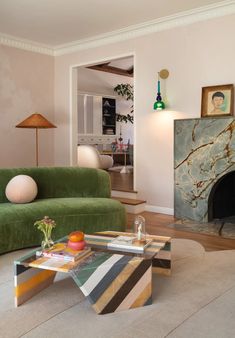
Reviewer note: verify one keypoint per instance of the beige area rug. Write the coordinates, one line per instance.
(197, 301)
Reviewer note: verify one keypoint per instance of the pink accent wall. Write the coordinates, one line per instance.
(196, 55)
(26, 86)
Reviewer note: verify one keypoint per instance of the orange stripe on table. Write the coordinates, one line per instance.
(33, 282)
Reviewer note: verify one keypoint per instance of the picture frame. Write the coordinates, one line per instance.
(217, 101)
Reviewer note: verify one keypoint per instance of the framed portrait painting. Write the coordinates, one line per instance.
(217, 101)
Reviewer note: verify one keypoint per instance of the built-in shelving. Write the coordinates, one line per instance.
(108, 116)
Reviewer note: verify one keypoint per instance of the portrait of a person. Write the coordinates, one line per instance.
(217, 102)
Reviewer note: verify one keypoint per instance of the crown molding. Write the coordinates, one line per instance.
(180, 19)
(28, 45)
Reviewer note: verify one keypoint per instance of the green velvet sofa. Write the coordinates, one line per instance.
(76, 198)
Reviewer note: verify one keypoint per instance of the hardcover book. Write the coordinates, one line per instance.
(127, 243)
(62, 251)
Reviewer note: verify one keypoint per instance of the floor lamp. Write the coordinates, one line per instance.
(36, 121)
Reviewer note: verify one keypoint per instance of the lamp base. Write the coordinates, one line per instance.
(125, 170)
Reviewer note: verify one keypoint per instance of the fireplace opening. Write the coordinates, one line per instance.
(221, 202)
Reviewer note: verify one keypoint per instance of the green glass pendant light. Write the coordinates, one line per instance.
(159, 104)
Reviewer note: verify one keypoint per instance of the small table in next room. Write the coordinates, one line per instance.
(111, 280)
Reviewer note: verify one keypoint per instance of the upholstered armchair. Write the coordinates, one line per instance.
(89, 157)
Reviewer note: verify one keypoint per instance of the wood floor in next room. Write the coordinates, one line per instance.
(156, 224)
(121, 182)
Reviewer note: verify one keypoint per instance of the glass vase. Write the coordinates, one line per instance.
(139, 228)
(47, 243)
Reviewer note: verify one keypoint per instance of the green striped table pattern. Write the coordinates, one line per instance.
(111, 280)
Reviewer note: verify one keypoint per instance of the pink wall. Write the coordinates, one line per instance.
(26, 86)
(197, 55)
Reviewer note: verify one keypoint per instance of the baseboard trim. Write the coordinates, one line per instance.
(160, 210)
(135, 209)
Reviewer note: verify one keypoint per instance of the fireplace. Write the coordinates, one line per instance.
(204, 165)
(221, 201)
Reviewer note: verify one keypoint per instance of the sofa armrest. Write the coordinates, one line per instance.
(104, 184)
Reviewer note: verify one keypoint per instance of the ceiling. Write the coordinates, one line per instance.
(59, 22)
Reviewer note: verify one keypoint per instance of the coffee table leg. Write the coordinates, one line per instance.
(29, 281)
(162, 261)
(119, 283)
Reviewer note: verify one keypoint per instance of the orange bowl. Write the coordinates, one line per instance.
(76, 236)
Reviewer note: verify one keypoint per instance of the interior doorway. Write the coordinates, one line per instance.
(105, 115)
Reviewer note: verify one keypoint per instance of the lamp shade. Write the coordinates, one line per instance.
(159, 105)
(35, 121)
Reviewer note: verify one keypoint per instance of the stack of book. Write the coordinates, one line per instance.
(127, 243)
(63, 252)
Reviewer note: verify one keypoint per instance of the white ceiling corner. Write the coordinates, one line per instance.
(216, 9)
(181, 19)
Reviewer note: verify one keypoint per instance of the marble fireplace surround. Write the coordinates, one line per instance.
(204, 151)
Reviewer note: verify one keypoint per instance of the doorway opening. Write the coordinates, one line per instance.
(105, 116)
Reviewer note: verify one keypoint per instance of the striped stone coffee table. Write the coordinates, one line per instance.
(111, 280)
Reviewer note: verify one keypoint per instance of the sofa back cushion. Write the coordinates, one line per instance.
(61, 181)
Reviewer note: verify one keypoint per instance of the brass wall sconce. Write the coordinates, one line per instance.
(159, 104)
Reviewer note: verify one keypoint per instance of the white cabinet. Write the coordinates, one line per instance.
(89, 114)
(96, 115)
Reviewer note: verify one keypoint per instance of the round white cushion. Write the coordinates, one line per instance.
(106, 161)
(21, 189)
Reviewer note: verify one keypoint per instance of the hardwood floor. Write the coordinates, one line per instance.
(121, 182)
(156, 224)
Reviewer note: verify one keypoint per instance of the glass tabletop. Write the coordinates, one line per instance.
(99, 248)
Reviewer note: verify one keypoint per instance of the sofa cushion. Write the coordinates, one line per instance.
(21, 189)
(61, 181)
(86, 214)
